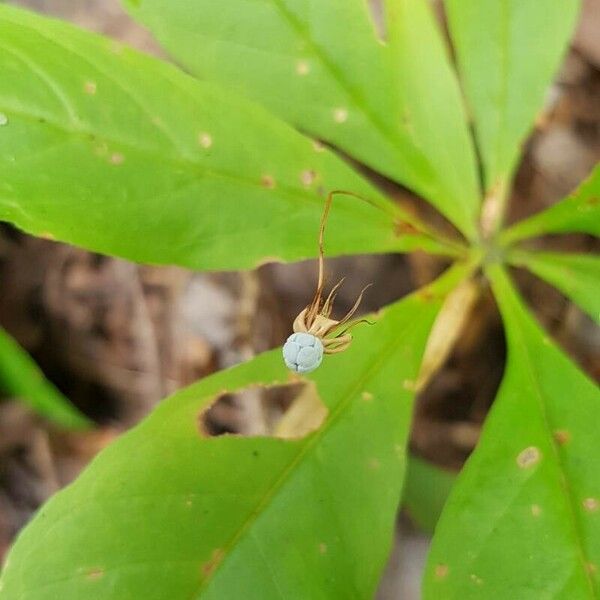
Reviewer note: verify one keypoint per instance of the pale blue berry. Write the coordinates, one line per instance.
(302, 352)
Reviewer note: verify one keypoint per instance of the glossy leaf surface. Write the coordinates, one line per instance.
(522, 520)
(321, 66)
(120, 153)
(508, 51)
(235, 517)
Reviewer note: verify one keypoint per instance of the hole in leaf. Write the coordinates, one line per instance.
(288, 411)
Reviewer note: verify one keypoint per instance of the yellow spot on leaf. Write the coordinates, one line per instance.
(536, 510)
(322, 548)
(302, 67)
(319, 146)
(205, 140)
(340, 115)
(89, 87)
(367, 396)
(529, 457)
(475, 579)
(116, 158)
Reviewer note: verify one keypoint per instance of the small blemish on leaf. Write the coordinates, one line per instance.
(307, 177)
(562, 437)
(322, 548)
(94, 574)
(591, 568)
(268, 181)
(3, 119)
(116, 158)
(529, 457)
(536, 510)
(367, 396)
(89, 87)
(212, 563)
(205, 140)
(46, 235)
(475, 579)
(441, 571)
(404, 228)
(374, 464)
(302, 67)
(591, 504)
(318, 146)
(340, 115)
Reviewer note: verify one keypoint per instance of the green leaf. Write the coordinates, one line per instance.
(167, 513)
(117, 152)
(507, 51)
(579, 213)
(522, 520)
(432, 109)
(321, 66)
(21, 378)
(425, 492)
(577, 276)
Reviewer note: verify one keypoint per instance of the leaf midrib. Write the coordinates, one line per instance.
(335, 415)
(570, 501)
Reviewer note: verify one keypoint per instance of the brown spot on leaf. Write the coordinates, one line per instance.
(268, 181)
(562, 437)
(593, 201)
(529, 457)
(94, 574)
(591, 504)
(441, 571)
(367, 396)
(89, 87)
(404, 228)
(212, 563)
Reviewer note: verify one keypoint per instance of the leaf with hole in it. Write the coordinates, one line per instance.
(507, 51)
(577, 276)
(579, 213)
(321, 66)
(425, 492)
(242, 517)
(117, 152)
(21, 378)
(531, 489)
